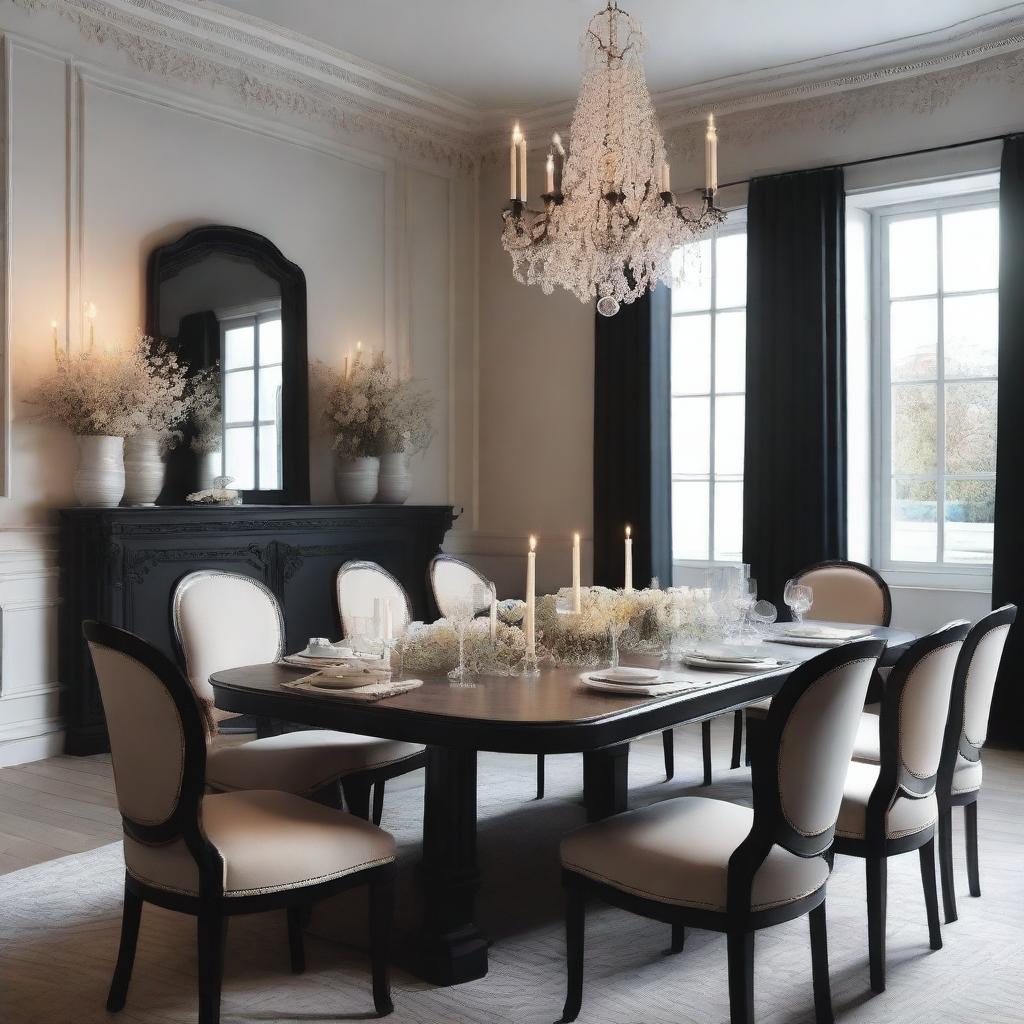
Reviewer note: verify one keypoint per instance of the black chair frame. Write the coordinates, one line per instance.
(770, 828)
(211, 907)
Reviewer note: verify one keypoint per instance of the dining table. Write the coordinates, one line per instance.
(552, 712)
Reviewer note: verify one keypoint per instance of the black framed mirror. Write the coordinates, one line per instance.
(234, 309)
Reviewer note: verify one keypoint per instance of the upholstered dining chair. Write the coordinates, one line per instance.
(359, 584)
(890, 807)
(217, 855)
(843, 591)
(716, 865)
(226, 620)
(960, 768)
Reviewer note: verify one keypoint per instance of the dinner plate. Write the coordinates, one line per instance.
(628, 676)
(806, 632)
(342, 682)
(730, 652)
(697, 661)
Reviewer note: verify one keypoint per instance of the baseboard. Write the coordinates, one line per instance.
(22, 749)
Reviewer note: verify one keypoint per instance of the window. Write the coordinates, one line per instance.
(708, 380)
(938, 325)
(251, 361)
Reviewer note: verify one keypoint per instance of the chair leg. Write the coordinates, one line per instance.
(668, 744)
(357, 797)
(737, 738)
(378, 801)
(753, 725)
(971, 834)
(705, 743)
(678, 938)
(876, 871)
(946, 864)
(741, 977)
(131, 917)
(540, 776)
(819, 967)
(296, 946)
(575, 915)
(931, 895)
(382, 910)
(212, 931)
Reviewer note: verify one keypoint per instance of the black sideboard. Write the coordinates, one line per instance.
(120, 565)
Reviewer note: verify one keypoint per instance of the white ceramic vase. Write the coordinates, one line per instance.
(211, 465)
(99, 476)
(395, 482)
(143, 469)
(355, 480)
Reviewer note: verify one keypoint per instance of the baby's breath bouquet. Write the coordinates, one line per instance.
(116, 393)
(207, 418)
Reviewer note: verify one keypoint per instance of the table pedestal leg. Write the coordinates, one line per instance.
(453, 949)
(606, 781)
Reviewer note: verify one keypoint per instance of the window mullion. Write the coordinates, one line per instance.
(940, 401)
(712, 403)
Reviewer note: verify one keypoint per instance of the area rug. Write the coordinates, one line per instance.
(59, 929)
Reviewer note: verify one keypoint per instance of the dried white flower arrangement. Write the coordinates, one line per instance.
(370, 411)
(207, 417)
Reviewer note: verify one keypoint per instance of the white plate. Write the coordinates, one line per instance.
(624, 675)
(344, 683)
(730, 652)
(696, 661)
(806, 632)
(333, 653)
(638, 690)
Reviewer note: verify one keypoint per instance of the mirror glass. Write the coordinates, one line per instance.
(234, 309)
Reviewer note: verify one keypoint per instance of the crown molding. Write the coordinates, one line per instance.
(266, 67)
(283, 73)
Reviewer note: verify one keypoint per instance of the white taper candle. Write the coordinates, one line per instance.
(711, 155)
(629, 561)
(494, 613)
(531, 599)
(577, 598)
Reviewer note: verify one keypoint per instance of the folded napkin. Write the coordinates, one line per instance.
(368, 694)
(304, 661)
(809, 632)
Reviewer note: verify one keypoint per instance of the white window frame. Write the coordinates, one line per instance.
(943, 575)
(735, 225)
(252, 316)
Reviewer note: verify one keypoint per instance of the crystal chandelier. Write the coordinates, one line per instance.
(610, 222)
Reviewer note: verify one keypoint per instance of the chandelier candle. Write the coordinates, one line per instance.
(629, 561)
(531, 600)
(711, 156)
(609, 224)
(577, 599)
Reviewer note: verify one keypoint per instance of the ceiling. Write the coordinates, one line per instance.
(521, 54)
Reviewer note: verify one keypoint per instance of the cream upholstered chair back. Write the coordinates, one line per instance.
(847, 592)
(452, 580)
(156, 731)
(973, 686)
(359, 586)
(224, 620)
(807, 742)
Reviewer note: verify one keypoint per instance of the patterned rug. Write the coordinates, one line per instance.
(59, 929)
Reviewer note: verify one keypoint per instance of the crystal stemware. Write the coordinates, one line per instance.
(461, 614)
(799, 598)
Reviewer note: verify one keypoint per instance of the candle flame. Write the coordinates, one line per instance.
(53, 324)
(359, 346)
(90, 310)
(712, 130)
(551, 161)
(576, 537)
(517, 135)
(629, 531)
(533, 542)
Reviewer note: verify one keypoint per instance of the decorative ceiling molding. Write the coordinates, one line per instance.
(265, 66)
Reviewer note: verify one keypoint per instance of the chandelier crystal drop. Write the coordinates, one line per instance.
(610, 222)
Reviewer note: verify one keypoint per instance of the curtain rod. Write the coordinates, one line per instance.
(889, 156)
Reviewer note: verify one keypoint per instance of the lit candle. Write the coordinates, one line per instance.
(550, 168)
(522, 168)
(531, 599)
(711, 155)
(56, 338)
(389, 622)
(346, 366)
(378, 618)
(629, 561)
(577, 598)
(90, 313)
(513, 158)
(494, 613)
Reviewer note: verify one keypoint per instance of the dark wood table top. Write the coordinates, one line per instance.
(553, 712)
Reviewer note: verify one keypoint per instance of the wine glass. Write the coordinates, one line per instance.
(798, 598)
(407, 638)
(762, 615)
(461, 614)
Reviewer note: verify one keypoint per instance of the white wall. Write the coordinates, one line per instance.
(536, 352)
(104, 166)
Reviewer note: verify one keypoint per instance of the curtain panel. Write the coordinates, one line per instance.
(632, 458)
(1007, 720)
(794, 488)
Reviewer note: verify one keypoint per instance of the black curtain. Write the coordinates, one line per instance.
(632, 465)
(794, 489)
(1007, 720)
